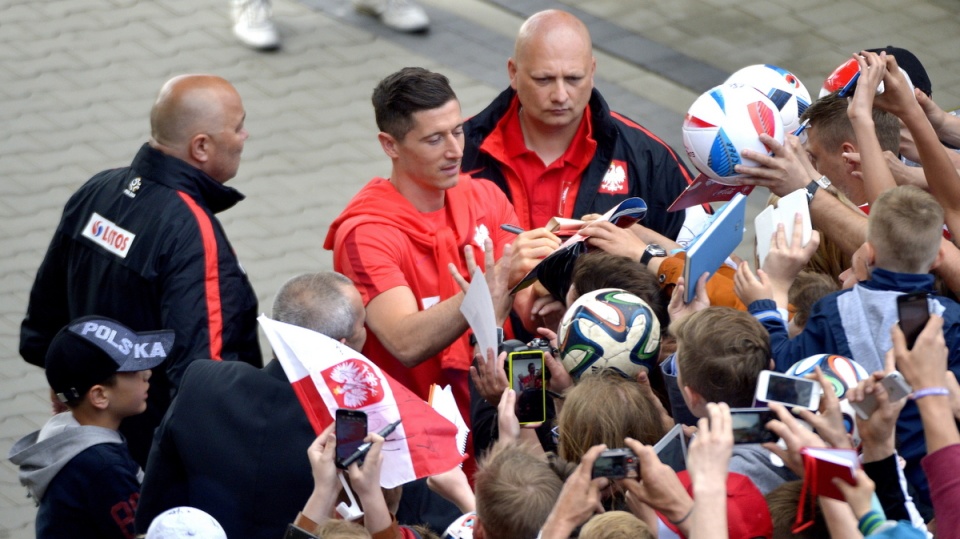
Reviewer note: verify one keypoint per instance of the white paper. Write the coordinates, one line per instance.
(477, 308)
(443, 401)
(785, 212)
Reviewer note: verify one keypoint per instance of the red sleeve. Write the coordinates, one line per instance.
(940, 467)
(372, 257)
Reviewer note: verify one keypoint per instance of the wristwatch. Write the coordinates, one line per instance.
(812, 187)
(651, 251)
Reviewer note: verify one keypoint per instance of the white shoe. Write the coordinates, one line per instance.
(252, 24)
(401, 15)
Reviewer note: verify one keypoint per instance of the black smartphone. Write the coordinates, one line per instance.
(527, 380)
(914, 311)
(351, 430)
(749, 425)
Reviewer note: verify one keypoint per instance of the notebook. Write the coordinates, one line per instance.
(821, 465)
(708, 250)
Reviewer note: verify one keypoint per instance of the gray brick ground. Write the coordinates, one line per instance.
(77, 78)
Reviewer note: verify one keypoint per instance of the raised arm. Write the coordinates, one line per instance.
(941, 174)
(877, 177)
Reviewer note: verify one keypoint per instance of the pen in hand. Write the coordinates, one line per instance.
(513, 229)
(365, 447)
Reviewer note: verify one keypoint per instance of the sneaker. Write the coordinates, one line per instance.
(252, 24)
(401, 15)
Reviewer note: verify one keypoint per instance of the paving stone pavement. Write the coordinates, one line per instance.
(77, 78)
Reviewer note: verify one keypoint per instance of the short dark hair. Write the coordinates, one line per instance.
(598, 269)
(808, 288)
(720, 354)
(829, 120)
(410, 90)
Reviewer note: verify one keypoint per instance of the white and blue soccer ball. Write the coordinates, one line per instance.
(609, 328)
(843, 374)
(722, 123)
(782, 87)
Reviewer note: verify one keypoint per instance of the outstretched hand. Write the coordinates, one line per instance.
(787, 170)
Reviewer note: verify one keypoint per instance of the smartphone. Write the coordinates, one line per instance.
(850, 86)
(897, 388)
(749, 425)
(914, 311)
(616, 464)
(527, 380)
(351, 430)
(788, 390)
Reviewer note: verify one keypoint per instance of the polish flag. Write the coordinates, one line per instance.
(327, 375)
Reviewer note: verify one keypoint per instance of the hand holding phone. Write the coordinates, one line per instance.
(788, 390)
(896, 387)
(526, 373)
(351, 430)
(914, 311)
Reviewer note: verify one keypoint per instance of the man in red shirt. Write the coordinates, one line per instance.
(400, 238)
(552, 144)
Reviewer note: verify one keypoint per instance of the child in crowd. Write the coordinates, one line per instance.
(720, 353)
(77, 467)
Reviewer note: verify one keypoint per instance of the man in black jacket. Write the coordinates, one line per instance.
(554, 146)
(141, 245)
(234, 441)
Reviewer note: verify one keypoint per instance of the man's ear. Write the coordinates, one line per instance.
(200, 148)
(99, 397)
(389, 145)
(848, 147)
(693, 399)
(869, 254)
(512, 72)
(939, 259)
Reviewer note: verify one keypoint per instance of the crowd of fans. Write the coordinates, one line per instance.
(234, 454)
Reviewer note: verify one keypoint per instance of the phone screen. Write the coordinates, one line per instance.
(749, 426)
(527, 379)
(789, 390)
(914, 313)
(351, 430)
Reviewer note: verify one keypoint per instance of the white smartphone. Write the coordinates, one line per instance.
(788, 390)
(897, 388)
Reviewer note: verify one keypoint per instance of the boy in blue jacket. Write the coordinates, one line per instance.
(77, 467)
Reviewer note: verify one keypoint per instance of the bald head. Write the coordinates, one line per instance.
(199, 119)
(187, 105)
(552, 71)
(548, 26)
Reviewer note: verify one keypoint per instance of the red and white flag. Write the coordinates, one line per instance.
(327, 375)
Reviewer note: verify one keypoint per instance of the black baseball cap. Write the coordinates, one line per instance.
(911, 64)
(93, 348)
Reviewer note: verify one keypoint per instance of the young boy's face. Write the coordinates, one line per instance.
(130, 393)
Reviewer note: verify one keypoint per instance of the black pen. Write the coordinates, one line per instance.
(513, 229)
(365, 447)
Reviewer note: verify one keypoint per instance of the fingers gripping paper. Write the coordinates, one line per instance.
(327, 375)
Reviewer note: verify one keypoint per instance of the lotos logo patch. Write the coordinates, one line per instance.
(615, 180)
(108, 235)
(353, 384)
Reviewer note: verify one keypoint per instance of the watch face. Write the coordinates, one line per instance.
(656, 250)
